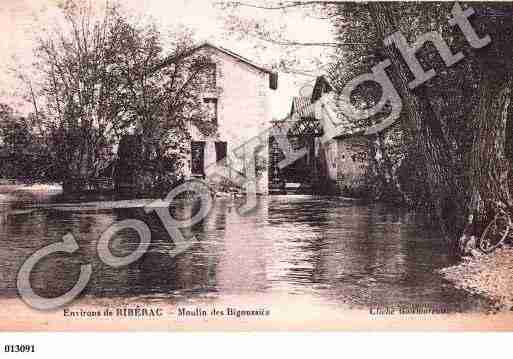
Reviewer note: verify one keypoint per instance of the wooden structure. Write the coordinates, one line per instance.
(302, 176)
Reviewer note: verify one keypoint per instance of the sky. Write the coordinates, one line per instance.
(20, 21)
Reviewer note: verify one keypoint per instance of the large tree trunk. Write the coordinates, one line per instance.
(487, 164)
(465, 200)
(445, 189)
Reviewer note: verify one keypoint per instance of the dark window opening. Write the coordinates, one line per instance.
(221, 151)
(211, 105)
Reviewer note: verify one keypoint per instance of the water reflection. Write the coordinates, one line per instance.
(340, 251)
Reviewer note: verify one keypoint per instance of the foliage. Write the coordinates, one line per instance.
(23, 155)
(105, 75)
(449, 155)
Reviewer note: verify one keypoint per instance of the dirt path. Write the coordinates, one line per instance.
(488, 275)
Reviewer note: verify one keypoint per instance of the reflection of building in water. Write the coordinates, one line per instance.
(228, 256)
(242, 267)
(196, 268)
(296, 240)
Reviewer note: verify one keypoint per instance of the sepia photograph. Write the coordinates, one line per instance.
(255, 166)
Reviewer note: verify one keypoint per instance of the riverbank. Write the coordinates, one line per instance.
(487, 275)
(10, 188)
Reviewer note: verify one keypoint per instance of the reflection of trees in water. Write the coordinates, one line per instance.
(22, 235)
(348, 253)
(363, 259)
(27, 233)
(157, 271)
(358, 253)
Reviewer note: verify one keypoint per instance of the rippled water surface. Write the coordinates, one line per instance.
(337, 250)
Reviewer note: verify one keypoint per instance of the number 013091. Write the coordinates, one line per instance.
(19, 348)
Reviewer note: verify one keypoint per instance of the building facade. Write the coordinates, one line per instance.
(344, 158)
(336, 162)
(238, 100)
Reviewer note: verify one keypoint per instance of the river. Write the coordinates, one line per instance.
(337, 250)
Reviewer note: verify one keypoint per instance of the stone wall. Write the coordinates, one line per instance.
(345, 164)
(352, 165)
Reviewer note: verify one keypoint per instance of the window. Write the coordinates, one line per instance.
(221, 149)
(211, 108)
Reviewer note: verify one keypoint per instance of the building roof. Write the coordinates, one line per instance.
(233, 54)
(300, 105)
(273, 75)
(322, 85)
(305, 118)
(223, 50)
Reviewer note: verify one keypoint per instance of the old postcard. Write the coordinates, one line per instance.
(202, 165)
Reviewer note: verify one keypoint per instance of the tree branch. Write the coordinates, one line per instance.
(281, 5)
(304, 44)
